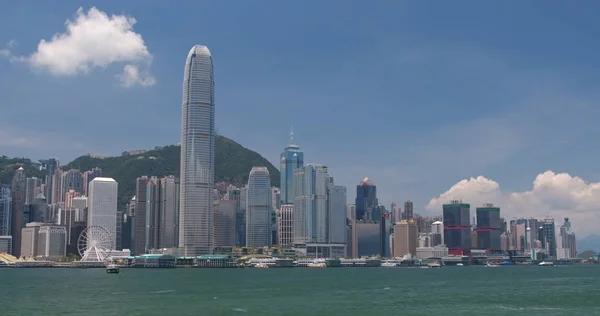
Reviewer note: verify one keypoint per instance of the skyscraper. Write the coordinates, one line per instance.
(258, 210)
(408, 210)
(457, 227)
(168, 228)
(30, 188)
(5, 211)
(488, 228)
(336, 210)
(310, 204)
(19, 182)
(366, 200)
(197, 154)
(102, 206)
(291, 158)
(51, 165)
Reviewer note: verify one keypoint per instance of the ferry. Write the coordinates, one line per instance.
(546, 264)
(261, 266)
(112, 268)
(317, 265)
(434, 265)
(390, 264)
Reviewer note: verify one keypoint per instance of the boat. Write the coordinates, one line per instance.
(390, 264)
(434, 265)
(491, 265)
(317, 265)
(460, 265)
(112, 268)
(261, 266)
(506, 263)
(546, 264)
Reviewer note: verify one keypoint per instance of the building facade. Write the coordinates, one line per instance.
(336, 214)
(102, 206)
(18, 190)
(488, 228)
(197, 154)
(405, 238)
(52, 242)
(258, 208)
(5, 211)
(310, 204)
(366, 201)
(168, 228)
(290, 159)
(285, 225)
(457, 227)
(224, 219)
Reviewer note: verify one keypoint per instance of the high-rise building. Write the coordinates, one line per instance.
(310, 204)
(548, 236)
(33, 183)
(457, 227)
(102, 206)
(568, 242)
(197, 154)
(71, 180)
(39, 211)
(275, 197)
(29, 244)
(51, 166)
(291, 159)
(89, 176)
(406, 238)
(366, 200)
(488, 228)
(258, 208)
(168, 228)
(285, 225)
(52, 241)
(240, 219)
(69, 196)
(146, 207)
(56, 195)
(224, 219)
(408, 210)
(336, 214)
(19, 182)
(5, 211)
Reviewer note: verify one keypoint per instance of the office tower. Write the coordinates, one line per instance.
(80, 203)
(350, 212)
(51, 166)
(488, 227)
(52, 242)
(405, 238)
(408, 210)
(396, 213)
(336, 214)
(197, 154)
(276, 197)
(457, 227)
(241, 217)
(258, 209)
(310, 204)
(385, 230)
(366, 239)
(285, 225)
(169, 212)
(5, 211)
(32, 185)
(6, 244)
(39, 211)
(568, 242)
(89, 176)
(71, 180)
(290, 159)
(102, 205)
(437, 233)
(224, 219)
(18, 190)
(549, 236)
(145, 209)
(366, 200)
(30, 246)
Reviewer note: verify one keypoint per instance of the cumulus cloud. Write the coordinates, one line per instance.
(556, 194)
(94, 40)
(6, 52)
(131, 75)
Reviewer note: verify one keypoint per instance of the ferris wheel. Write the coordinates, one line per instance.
(94, 244)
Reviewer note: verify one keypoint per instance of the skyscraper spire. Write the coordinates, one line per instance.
(292, 135)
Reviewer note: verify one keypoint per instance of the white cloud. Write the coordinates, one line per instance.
(92, 40)
(4, 52)
(556, 194)
(131, 76)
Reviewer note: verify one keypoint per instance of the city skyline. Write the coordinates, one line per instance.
(497, 128)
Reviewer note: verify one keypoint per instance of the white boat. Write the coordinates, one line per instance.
(112, 268)
(546, 264)
(491, 265)
(317, 265)
(261, 266)
(390, 264)
(434, 265)
(460, 265)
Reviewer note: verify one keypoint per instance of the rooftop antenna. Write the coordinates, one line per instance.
(292, 135)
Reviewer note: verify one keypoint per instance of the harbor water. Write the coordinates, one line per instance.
(476, 290)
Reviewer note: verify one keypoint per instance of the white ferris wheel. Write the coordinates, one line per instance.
(94, 244)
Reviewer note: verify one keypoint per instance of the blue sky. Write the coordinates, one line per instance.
(416, 95)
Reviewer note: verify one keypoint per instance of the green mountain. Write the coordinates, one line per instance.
(233, 163)
(9, 165)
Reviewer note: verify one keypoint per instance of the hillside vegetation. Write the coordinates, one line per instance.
(233, 163)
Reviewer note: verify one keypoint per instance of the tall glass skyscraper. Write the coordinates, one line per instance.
(366, 201)
(310, 204)
(197, 154)
(291, 158)
(258, 209)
